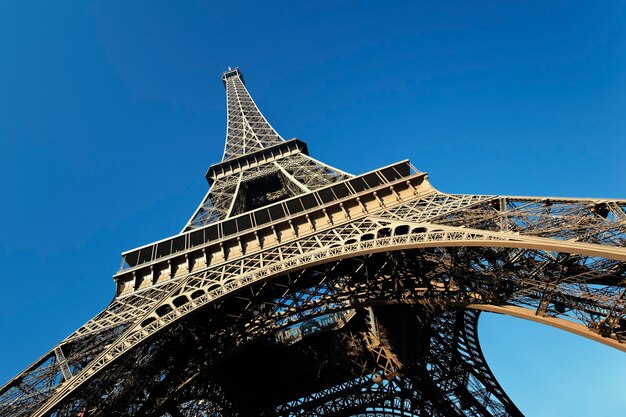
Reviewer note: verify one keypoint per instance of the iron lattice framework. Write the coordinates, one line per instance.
(298, 289)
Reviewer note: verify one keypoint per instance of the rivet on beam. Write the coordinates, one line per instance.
(275, 233)
(380, 201)
(330, 219)
(293, 228)
(308, 218)
(345, 211)
(415, 192)
(358, 200)
(258, 239)
(395, 193)
(240, 245)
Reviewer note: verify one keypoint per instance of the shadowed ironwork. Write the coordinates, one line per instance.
(298, 289)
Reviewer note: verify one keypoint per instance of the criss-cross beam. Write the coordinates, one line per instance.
(356, 291)
(247, 129)
(281, 238)
(590, 232)
(250, 138)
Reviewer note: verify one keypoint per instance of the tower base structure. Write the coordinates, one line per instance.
(297, 289)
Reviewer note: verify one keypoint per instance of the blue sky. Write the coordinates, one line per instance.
(111, 112)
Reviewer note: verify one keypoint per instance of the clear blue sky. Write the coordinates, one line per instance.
(111, 112)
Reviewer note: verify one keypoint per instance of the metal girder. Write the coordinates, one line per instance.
(396, 270)
(374, 233)
(247, 130)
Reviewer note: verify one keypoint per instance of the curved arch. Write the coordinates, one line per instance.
(441, 237)
(558, 323)
(430, 235)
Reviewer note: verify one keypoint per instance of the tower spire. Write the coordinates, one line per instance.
(248, 131)
(289, 265)
(258, 167)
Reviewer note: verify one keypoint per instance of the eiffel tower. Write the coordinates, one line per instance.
(297, 289)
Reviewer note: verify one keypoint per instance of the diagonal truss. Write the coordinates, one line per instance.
(360, 295)
(247, 130)
(259, 153)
